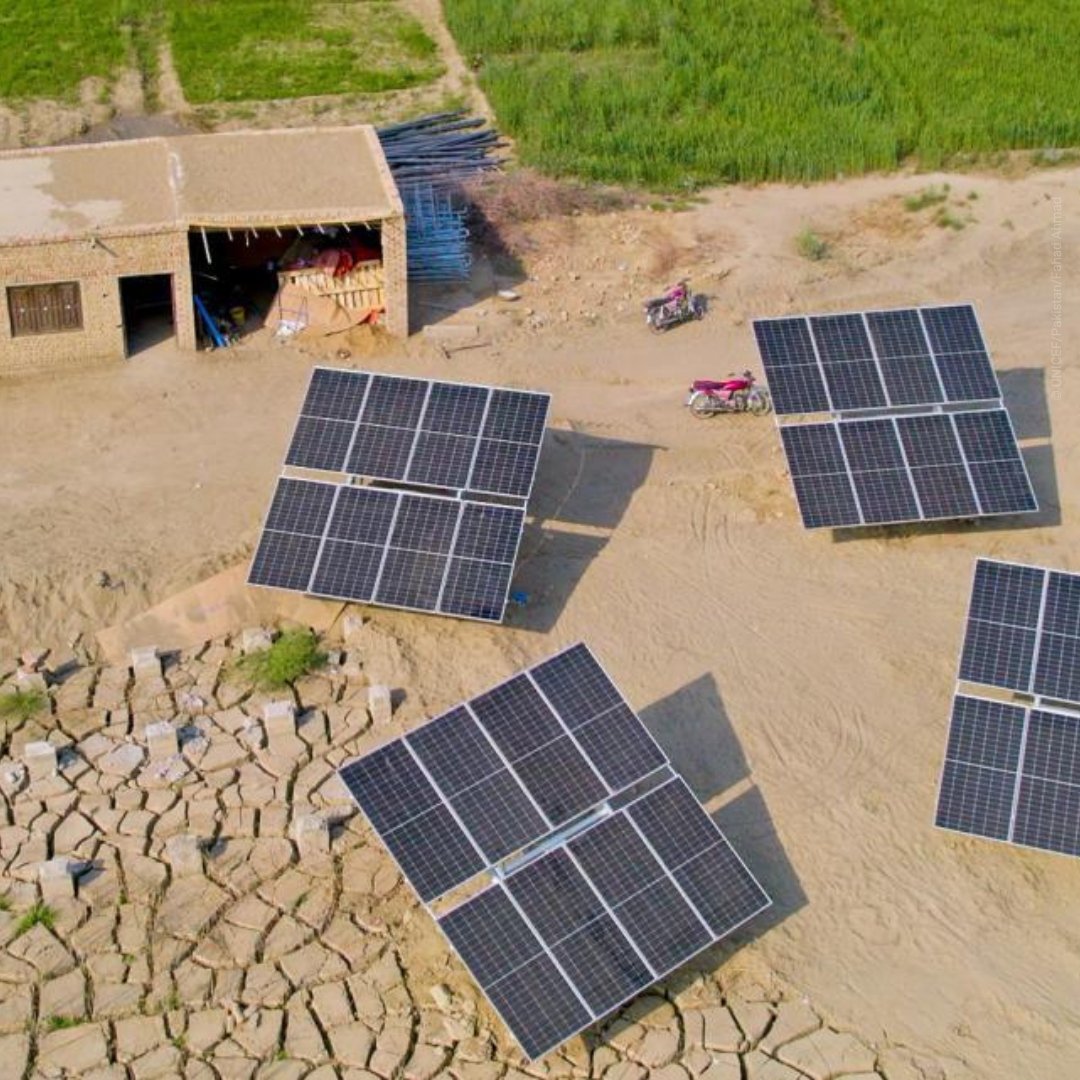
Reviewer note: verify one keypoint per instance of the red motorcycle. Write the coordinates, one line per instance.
(736, 393)
(677, 305)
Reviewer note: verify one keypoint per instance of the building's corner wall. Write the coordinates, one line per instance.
(396, 277)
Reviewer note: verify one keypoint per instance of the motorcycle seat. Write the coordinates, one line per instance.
(712, 384)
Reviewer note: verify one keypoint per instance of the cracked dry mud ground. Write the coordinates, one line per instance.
(270, 951)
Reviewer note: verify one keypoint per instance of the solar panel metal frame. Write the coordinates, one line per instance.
(417, 430)
(386, 546)
(609, 911)
(820, 365)
(837, 424)
(1027, 701)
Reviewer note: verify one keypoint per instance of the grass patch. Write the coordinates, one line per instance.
(38, 915)
(259, 50)
(946, 219)
(294, 654)
(811, 246)
(59, 1023)
(653, 93)
(5, 903)
(21, 705)
(929, 196)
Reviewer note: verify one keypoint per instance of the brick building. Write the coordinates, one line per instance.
(92, 237)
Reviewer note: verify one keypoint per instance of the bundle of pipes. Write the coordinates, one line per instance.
(430, 158)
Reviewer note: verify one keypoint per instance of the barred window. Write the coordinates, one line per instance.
(44, 309)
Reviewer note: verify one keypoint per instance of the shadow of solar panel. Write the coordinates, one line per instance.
(827, 500)
(455, 409)
(997, 655)
(561, 780)
(503, 468)
(555, 896)
(425, 524)
(944, 491)
(885, 497)
(975, 800)
(335, 394)
(300, 506)
(721, 888)
(911, 380)
(490, 936)
(855, 385)
(784, 343)
(380, 451)
(603, 965)
(897, 333)
(411, 579)
(1048, 816)
(798, 390)
(347, 571)
(284, 560)
(539, 1006)
(441, 460)
(841, 338)
(929, 440)
(576, 686)
(434, 853)
(320, 444)
(663, 926)
(476, 590)
(516, 416)
(394, 402)
(620, 746)
(498, 815)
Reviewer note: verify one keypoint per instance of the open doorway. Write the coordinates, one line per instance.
(147, 305)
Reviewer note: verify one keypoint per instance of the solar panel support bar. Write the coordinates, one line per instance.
(907, 468)
(522, 859)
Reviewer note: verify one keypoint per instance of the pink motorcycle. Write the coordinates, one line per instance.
(677, 305)
(736, 393)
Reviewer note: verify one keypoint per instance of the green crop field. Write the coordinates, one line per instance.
(224, 50)
(677, 93)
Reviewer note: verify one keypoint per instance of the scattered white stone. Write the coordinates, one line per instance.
(255, 639)
(13, 778)
(40, 759)
(162, 741)
(56, 880)
(352, 628)
(379, 705)
(145, 661)
(279, 719)
(312, 835)
(185, 855)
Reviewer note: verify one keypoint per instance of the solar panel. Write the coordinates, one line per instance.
(477, 439)
(390, 548)
(888, 470)
(875, 359)
(598, 890)
(597, 928)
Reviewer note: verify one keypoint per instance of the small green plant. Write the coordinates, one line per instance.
(972, 196)
(38, 915)
(929, 196)
(172, 1001)
(946, 219)
(20, 705)
(811, 246)
(5, 903)
(58, 1023)
(180, 1042)
(295, 653)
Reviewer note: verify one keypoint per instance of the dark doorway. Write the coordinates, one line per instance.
(147, 304)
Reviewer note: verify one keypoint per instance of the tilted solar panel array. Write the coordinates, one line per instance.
(579, 919)
(907, 468)
(1012, 770)
(477, 439)
(875, 359)
(397, 549)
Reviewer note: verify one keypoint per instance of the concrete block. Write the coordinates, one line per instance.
(162, 741)
(279, 719)
(56, 880)
(145, 661)
(185, 855)
(312, 836)
(255, 639)
(40, 760)
(379, 705)
(352, 628)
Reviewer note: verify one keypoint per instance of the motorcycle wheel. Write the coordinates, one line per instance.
(697, 306)
(759, 403)
(701, 405)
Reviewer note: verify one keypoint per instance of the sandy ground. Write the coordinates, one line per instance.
(800, 680)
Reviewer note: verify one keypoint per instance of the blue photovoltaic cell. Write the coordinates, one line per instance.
(348, 571)
(395, 402)
(555, 896)
(300, 506)
(434, 853)
(363, 515)
(841, 338)
(390, 786)
(284, 560)
(320, 444)
(576, 686)
(455, 751)
(335, 394)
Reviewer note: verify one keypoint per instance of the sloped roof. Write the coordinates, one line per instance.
(246, 179)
